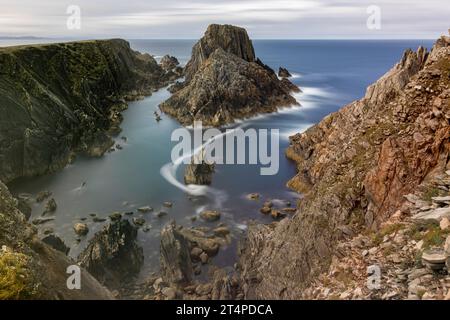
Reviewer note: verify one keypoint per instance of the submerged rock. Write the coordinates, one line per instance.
(113, 254)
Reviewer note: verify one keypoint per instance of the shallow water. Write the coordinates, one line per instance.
(330, 73)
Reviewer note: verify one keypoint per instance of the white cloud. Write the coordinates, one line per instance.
(263, 18)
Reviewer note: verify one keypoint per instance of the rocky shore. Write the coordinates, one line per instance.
(58, 100)
(354, 169)
(225, 81)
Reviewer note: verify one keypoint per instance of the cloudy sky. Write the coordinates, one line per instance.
(287, 19)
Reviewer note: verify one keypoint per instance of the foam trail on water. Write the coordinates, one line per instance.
(169, 171)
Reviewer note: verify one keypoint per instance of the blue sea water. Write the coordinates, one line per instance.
(330, 73)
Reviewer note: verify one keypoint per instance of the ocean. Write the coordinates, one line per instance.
(330, 73)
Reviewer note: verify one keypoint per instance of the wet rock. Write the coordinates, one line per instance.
(50, 206)
(145, 209)
(115, 216)
(221, 231)
(113, 254)
(139, 221)
(265, 210)
(195, 254)
(39, 221)
(176, 265)
(56, 243)
(268, 204)
(161, 214)
(276, 214)
(81, 229)
(168, 204)
(210, 215)
(284, 73)
(41, 196)
(204, 258)
(98, 220)
(253, 196)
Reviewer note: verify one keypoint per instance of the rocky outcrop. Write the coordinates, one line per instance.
(224, 81)
(113, 254)
(230, 38)
(199, 171)
(284, 73)
(176, 265)
(57, 99)
(31, 269)
(169, 62)
(354, 168)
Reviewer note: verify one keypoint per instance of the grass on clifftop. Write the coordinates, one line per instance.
(14, 276)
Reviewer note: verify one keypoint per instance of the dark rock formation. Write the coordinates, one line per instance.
(354, 169)
(39, 270)
(284, 73)
(57, 99)
(113, 255)
(176, 265)
(224, 81)
(56, 243)
(199, 173)
(168, 62)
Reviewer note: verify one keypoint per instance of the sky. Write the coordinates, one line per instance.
(264, 19)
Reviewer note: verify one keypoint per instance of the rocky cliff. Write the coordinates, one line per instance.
(354, 169)
(29, 268)
(225, 81)
(58, 99)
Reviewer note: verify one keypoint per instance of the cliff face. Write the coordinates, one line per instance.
(59, 98)
(224, 81)
(354, 169)
(30, 269)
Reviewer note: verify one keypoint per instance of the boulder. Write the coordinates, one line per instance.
(81, 229)
(50, 206)
(145, 209)
(210, 215)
